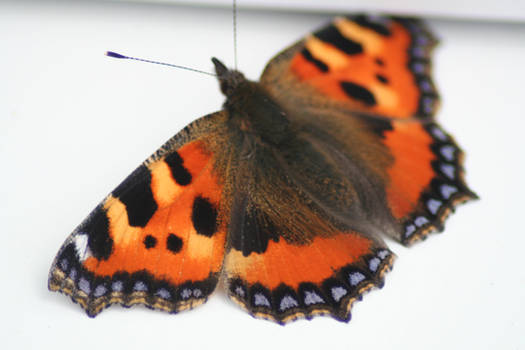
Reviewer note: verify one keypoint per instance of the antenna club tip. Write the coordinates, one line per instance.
(114, 54)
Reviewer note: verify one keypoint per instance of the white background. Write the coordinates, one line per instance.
(74, 123)
(510, 10)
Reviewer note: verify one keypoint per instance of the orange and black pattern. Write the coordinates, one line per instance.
(156, 239)
(285, 193)
(376, 64)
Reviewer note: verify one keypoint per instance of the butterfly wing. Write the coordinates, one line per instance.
(378, 65)
(365, 158)
(158, 238)
(280, 279)
(291, 250)
(373, 72)
(296, 217)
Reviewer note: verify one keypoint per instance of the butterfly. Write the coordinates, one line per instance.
(283, 194)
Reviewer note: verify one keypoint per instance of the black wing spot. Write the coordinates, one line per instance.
(376, 26)
(96, 227)
(319, 64)
(135, 193)
(173, 243)
(180, 174)
(150, 241)
(379, 62)
(382, 78)
(359, 92)
(204, 217)
(331, 35)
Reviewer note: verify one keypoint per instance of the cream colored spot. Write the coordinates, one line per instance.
(199, 247)
(326, 53)
(119, 228)
(385, 96)
(238, 264)
(164, 188)
(371, 41)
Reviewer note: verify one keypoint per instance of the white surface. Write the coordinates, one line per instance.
(74, 123)
(509, 10)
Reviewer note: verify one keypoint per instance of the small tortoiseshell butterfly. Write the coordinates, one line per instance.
(284, 193)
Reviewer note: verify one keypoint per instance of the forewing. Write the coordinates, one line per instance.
(378, 65)
(158, 238)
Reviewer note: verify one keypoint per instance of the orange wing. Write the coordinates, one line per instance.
(285, 281)
(374, 72)
(157, 239)
(296, 226)
(426, 179)
(377, 65)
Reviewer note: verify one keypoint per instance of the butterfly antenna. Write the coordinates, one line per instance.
(235, 32)
(117, 55)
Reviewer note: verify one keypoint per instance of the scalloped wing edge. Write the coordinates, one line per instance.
(340, 286)
(440, 201)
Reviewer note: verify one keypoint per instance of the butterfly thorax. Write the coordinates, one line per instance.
(267, 144)
(250, 109)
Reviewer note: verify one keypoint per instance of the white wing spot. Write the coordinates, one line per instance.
(163, 293)
(83, 285)
(420, 221)
(117, 286)
(312, 298)
(447, 152)
(81, 246)
(288, 302)
(186, 293)
(100, 291)
(355, 278)
(140, 287)
(261, 300)
(240, 291)
(433, 205)
(338, 293)
(439, 134)
(64, 264)
(383, 254)
(448, 190)
(373, 264)
(410, 230)
(448, 170)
